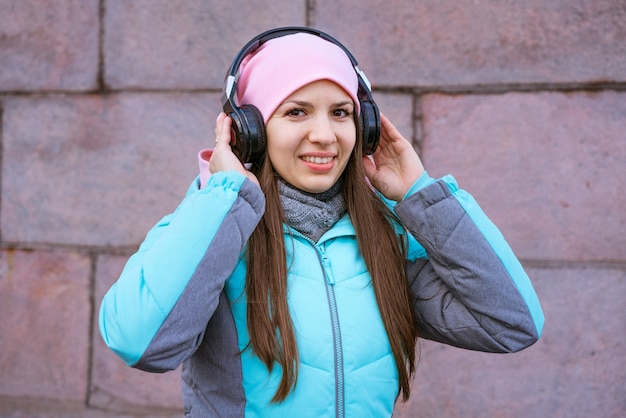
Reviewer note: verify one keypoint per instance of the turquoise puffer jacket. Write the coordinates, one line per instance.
(345, 356)
(181, 300)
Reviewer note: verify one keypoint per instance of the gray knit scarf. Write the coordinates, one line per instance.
(311, 214)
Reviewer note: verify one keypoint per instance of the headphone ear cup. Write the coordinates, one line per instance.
(370, 126)
(247, 135)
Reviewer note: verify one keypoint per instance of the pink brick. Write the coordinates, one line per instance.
(547, 167)
(442, 43)
(99, 170)
(48, 45)
(191, 44)
(44, 331)
(116, 386)
(577, 368)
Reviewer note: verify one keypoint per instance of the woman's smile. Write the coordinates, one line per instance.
(319, 163)
(317, 160)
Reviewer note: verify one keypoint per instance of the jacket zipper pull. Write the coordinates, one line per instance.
(328, 272)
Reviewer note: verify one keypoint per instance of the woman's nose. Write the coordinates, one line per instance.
(322, 130)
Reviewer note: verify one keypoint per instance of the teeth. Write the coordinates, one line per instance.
(317, 160)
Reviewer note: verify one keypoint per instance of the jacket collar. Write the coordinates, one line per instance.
(343, 227)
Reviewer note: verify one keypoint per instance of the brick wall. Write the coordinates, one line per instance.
(104, 104)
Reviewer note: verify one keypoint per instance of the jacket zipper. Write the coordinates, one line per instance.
(329, 282)
(334, 318)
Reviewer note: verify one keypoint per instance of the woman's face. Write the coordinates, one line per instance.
(311, 135)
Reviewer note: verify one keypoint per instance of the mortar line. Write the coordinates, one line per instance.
(573, 264)
(93, 255)
(503, 88)
(1, 156)
(485, 89)
(309, 13)
(418, 123)
(120, 250)
(93, 258)
(101, 33)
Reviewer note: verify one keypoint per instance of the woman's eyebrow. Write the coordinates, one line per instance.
(301, 103)
(304, 103)
(347, 102)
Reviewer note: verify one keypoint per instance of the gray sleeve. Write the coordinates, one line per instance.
(182, 331)
(464, 294)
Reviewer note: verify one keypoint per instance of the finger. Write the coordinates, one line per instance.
(368, 166)
(388, 131)
(222, 130)
(370, 172)
(218, 122)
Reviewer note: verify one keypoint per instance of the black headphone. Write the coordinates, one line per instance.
(248, 129)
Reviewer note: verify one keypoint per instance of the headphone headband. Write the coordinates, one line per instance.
(257, 41)
(248, 136)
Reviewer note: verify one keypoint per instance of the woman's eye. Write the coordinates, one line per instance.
(295, 112)
(341, 113)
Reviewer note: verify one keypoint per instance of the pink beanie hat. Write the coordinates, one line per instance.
(283, 65)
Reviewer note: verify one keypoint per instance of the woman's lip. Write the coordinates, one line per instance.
(317, 158)
(318, 154)
(323, 164)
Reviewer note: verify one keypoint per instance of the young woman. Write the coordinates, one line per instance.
(297, 284)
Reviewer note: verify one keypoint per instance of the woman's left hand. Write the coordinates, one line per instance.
(395, 165)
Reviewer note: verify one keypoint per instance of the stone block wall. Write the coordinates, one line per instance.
(104, 104)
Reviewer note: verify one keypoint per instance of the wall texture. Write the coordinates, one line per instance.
(104, 104)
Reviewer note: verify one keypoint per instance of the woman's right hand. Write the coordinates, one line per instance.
(223, 158)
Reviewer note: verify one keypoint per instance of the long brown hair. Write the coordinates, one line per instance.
(269, 321)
